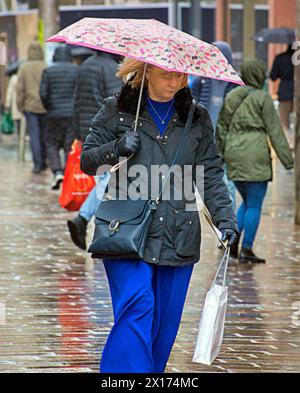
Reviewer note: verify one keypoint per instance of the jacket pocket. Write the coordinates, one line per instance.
(187, 233)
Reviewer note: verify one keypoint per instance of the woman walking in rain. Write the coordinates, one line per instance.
(148, 294)
(247, 122)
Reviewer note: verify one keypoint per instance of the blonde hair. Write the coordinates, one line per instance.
(134, 69)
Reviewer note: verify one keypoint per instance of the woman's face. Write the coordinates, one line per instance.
(163, 85)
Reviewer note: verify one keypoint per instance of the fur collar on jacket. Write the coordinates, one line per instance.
(128, 100)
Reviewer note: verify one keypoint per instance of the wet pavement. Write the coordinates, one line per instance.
(58, 310)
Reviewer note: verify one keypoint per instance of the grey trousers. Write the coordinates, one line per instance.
(60, 135)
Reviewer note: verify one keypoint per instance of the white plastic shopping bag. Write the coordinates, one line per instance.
(211, 326)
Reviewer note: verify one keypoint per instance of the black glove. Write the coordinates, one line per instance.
(128, 144)
(230, 235)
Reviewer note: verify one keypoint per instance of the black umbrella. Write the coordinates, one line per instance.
(281, 35)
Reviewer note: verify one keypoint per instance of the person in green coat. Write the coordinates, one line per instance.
(248, 124)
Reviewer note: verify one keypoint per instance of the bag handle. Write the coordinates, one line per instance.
(224, 258)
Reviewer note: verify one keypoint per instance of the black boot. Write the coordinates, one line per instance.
(247, 255)
(77, 227)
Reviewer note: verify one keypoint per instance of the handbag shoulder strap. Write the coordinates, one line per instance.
(186, 128)
(185, 131)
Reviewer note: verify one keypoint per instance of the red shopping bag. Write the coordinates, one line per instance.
(76, 185)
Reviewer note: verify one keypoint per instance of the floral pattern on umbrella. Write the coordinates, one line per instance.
(152, 42)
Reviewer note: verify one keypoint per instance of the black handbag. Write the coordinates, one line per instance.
(121, 226)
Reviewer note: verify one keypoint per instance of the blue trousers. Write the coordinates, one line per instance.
(147, 304)
(37, 127)
(248, 215)
(230, 187)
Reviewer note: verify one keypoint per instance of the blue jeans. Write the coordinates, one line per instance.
(248, 214)
(89, 206)
(92, 202)
(230, 187)
(147, 304)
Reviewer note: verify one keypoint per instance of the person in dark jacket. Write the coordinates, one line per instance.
(283, 69)
(57, 94)
(247, 123)
(96, 81)
(148, 295)
(81, 53)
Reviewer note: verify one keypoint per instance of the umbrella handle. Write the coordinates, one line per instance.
(140, 98)
(119, 164)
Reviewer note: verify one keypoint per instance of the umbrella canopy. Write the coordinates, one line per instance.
(281, 35)
(151, 42)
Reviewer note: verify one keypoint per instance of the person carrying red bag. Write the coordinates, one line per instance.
(76, 185)
(96, 80)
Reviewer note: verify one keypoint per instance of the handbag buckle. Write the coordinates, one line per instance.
(113, 225)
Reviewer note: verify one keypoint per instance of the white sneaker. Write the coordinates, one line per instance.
(57, 180)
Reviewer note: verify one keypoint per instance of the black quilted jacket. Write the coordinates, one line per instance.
(174, 235)
(58, 85)
(96, 81)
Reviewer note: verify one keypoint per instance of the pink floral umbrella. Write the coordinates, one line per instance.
(152, 42)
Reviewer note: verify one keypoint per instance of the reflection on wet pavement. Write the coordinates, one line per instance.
(58, 310)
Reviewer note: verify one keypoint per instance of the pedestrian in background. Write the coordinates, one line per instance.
(247, 123)
(211, 93)
(283, 69)
(81, 53)
(11, 98)
(96, 81)
(29, 103)
(57, 94)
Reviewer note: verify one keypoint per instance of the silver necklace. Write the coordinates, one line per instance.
(162, 120)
